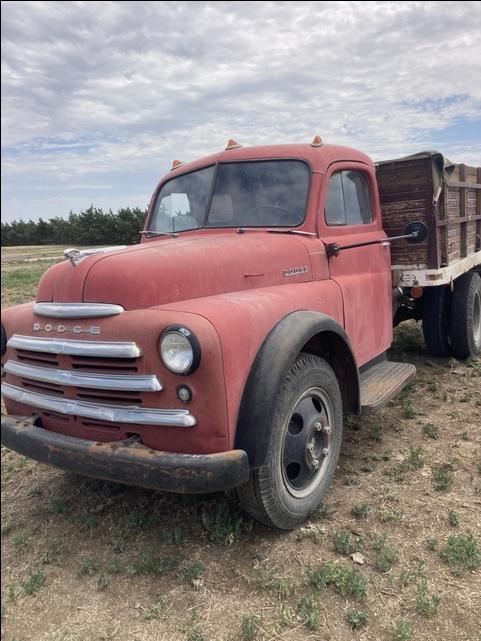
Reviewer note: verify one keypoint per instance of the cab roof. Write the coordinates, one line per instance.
(319, 157)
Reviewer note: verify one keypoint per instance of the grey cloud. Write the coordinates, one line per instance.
(144, 80)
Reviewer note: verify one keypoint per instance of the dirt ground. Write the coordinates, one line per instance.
(84, 560)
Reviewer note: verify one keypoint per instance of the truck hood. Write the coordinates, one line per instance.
(175, 269)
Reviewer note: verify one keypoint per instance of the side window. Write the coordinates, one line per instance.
(348, 199)
(335, 202)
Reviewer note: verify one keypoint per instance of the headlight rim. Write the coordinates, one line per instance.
(187, 333)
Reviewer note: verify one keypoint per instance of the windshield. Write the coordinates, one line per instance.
(261, 193)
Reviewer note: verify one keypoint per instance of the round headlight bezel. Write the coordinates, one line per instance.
(194, 344)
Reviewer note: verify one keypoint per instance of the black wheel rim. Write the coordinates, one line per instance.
(307, 442)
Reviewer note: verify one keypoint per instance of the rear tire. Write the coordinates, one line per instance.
(436, 320)
(304, 448)
(466, 316)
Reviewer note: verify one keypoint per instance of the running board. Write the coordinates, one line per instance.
(382, 382)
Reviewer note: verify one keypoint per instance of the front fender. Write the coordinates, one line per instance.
(299, 331)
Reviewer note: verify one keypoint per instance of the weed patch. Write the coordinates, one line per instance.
(88, 567)
(34, 582)
(308, 609)
(190, 572)
(431, 544)
(361, 511)
(385, 556)
(195, 634)
(223, 523)
(156, 610)
(453, 518)
(347, 582)
(345, 543)
(416, 460)
(402, 630)
(431, 431)
(103, 583)
(443, 478)
(461, 553)
(324, 511)
(356, 619)
(426, 605)
(250, 627)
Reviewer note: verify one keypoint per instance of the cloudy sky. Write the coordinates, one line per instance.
(99, 97)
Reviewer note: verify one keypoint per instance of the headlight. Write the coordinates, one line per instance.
(179, 350)
(4, 341)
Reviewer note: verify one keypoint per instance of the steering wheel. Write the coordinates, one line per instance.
(259, 208)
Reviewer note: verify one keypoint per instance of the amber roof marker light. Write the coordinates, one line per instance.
(176, 164)
(232, 144)
(317, 142)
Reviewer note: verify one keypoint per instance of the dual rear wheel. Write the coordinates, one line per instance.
(452, 320)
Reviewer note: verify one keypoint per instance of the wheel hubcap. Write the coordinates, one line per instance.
(307, 442)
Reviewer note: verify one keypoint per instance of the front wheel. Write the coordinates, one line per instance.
(304, 448)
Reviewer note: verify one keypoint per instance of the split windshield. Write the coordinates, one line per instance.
(265, 193)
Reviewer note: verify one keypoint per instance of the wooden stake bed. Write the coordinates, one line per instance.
(448, 203)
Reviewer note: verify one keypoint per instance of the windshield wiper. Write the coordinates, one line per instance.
(149, 233)
(241, 230)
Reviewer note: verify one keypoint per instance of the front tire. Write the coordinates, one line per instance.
(466, 316)
(304, 448)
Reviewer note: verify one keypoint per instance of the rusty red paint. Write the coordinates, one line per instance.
(230, 289)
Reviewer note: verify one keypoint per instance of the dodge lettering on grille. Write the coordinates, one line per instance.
(61, 329)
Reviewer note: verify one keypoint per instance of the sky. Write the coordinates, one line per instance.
(98, 98)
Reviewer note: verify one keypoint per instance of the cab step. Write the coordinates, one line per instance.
(382, 382)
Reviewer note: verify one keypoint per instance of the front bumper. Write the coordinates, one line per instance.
(126, 461)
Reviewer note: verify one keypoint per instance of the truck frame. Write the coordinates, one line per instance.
(224, 350)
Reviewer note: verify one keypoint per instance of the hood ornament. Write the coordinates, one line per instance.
(75, 256)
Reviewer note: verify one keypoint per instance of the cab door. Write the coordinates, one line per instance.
(350, 213)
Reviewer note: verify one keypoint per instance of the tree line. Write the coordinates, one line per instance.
(92, 226)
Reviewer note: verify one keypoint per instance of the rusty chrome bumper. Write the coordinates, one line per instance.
(126, 461)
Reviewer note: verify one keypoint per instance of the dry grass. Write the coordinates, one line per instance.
(22, 268)
(85, 560)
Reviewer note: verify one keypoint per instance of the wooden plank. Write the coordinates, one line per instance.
(478, 212)
(444, 235)
(463, 195)
(468, 185)
(430, 222)
(467, 219)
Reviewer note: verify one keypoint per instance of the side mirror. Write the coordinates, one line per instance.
(415, 232)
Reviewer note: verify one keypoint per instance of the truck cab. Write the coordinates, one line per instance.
(225, 348)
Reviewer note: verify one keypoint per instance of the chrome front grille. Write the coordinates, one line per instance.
(104, 412)
(99, 349)
(91, 379)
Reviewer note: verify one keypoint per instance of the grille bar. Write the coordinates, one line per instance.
(77, 310)
(99, 349)
(111, 413)
(117, 382)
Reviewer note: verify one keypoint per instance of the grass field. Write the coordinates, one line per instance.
(85, 560)
(22, 268)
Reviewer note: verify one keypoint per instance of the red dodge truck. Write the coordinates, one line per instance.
(224, 349)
